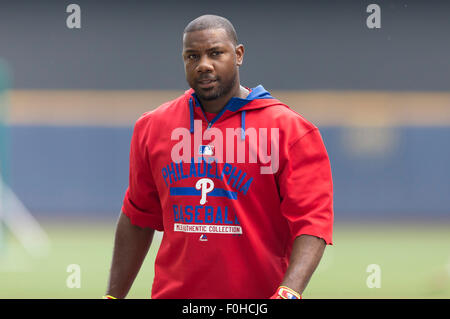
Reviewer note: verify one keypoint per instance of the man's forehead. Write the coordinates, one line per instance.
(205, 38)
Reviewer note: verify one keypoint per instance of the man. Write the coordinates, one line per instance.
(237, 222)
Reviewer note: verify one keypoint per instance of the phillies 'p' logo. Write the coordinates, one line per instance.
(206, 185)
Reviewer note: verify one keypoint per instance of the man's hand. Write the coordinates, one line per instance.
(285, 293)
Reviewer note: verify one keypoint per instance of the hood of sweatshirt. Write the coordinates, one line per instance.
(257, 99)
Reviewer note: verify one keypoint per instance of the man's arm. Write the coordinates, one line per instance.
(131, 245)
(305, 257)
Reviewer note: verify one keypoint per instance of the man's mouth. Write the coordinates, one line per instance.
(206, 83)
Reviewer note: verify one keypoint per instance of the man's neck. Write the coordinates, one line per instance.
(215, 106)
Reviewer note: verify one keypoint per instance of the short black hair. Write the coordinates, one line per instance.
(211, 21)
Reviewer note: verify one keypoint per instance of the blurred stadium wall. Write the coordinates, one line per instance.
(381, 98)
(387, 149)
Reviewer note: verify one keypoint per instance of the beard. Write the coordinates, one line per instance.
(216, 92)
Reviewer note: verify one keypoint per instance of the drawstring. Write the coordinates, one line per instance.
(191, 109)
(243, 125)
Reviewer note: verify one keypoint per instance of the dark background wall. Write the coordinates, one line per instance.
(304, 45)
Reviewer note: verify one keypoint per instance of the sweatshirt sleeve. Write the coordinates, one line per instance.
(141, 203)
(306, 188)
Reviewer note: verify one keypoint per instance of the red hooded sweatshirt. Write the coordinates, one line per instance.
(231, 191)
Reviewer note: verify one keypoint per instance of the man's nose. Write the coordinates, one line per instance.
(204, 65)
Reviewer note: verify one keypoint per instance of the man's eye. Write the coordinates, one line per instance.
(215, 53)
(192, 56)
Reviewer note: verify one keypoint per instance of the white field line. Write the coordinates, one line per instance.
(22, 224)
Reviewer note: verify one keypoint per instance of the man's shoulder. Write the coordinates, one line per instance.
(287, 118)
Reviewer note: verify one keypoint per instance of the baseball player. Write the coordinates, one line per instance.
(239, 183)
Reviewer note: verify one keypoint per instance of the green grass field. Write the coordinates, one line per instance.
(414, 262)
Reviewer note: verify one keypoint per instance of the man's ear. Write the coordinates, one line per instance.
(239, 54)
